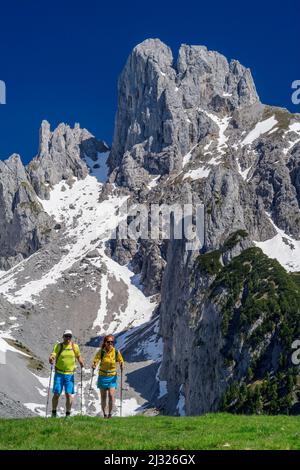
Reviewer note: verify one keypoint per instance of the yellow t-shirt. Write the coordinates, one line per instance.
(66, 360)
(108, 366)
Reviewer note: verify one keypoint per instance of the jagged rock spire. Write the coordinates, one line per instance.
(60, 155)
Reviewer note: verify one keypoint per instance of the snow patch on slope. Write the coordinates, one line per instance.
(181, 402)
(245, 174)
(98, 168)
(99, 220)
(259, 129)
(130, 407)
(152, 346)
(154, 182)
(295, 127)
(5, 346)
(86, 220)
(139, 308)
(162, 385)
(66, 205)
(203, 170)
(283, 248)
(186, 159)
(197, 173)
(222, 124)
(36, 408)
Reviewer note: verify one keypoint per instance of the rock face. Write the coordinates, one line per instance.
(61, 156)
(24, 224)
(158, 119)
(195, 131)
(11, 409)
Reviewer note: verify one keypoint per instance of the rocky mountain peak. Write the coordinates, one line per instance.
(24, 225)
(61, 156)
(13, 165)
(44, 138)
(160, 107)
(153, 50)
(207, 76)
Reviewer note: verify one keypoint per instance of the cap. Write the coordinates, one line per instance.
(68, 332)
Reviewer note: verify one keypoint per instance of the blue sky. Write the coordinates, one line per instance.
(61, 59)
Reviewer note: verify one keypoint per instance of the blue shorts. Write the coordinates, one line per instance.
(107, 382)
(63, 381)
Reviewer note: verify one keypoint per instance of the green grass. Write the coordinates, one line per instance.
(212, 431)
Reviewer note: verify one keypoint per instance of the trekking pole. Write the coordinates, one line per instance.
(81, 374)
(121, 393)
(90, 389)
(48, 395)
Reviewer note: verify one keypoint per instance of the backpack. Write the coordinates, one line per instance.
(102, 355)
(116, 354)
(61, 350)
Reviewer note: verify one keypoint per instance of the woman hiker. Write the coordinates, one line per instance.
(64, 355)
(108, 356)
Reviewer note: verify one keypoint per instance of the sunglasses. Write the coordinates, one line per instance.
(110, 342)
(67, 336)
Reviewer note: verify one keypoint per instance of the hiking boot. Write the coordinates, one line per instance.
(53, 415)
(109, 416)
(68, 414)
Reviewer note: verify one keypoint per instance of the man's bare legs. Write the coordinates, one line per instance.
(69, 402)
(55, 399)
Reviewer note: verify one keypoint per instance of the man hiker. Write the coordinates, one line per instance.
(64, 355)
(108, 356)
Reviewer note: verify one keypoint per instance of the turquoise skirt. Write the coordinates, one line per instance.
(107, 382)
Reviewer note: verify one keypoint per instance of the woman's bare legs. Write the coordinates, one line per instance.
(111, 401)
(103, 394)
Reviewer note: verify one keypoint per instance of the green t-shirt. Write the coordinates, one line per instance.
(66, 360)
